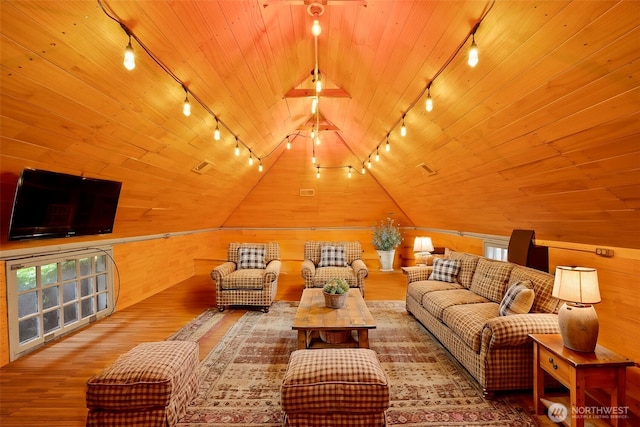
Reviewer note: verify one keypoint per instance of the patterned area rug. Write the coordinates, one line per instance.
(240, 378)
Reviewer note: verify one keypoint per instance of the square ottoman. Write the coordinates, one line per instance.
(150, 385)
(334, 387)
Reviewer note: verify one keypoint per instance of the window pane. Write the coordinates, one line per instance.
(102, 301)
(70, 292)
(102, 282)
(85, 266)
(70, 313)
(28, 329)
(51, 321)
(86, 286)
(50, 297)
(101, 263)
(26, 278)
(49, 273)
(87, 307)
(27, 304)
(68, 269)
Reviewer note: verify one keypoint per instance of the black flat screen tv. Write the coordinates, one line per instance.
(50, 205)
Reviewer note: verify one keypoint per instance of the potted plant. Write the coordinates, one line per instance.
(386, 238)
(335, 292)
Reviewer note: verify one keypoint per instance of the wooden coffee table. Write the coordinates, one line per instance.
(313, 317)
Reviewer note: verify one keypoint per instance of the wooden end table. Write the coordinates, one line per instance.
(313, 316)
(578, 371)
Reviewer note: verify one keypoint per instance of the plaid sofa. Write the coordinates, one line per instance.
(464, 316)
(249, 276)
(354, 270)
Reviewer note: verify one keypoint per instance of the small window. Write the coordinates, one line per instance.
(496, 249)
(52, 295)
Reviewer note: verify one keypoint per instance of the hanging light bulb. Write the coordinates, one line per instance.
(377, 154)
(369, 162)
(129, 58)
(216, 132)
(314, 105)
(403, 129)
(288, 144)
(260, 166)
(313, 159)
(318, 173)
(318, 82)
(363, 170)
(349, 174)
(316, 29)
(237, 151)
(429, 105)
(318, 139)
(473, 52)
(313, 132)
(186, 107)
(387, 147)
(250, 159)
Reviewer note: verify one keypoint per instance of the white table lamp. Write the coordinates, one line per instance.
(578, 287)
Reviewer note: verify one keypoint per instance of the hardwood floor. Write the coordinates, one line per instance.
(47, 387)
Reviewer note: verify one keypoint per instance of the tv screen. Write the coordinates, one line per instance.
(50, 205)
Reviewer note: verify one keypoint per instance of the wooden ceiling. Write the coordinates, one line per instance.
(543, 134)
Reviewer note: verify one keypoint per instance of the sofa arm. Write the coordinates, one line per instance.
(514, 329)
(223, 270)
(360, 269)
(272, 271)
(416, 274)
(308, 269)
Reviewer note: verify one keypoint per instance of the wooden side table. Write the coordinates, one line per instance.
(579, 371)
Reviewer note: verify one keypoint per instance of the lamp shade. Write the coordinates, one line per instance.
(576, 284)
(422, 244)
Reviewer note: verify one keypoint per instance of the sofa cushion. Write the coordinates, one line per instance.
(436, 302)
(490, 279)
(417, 289)
(251, 258)
(445, 270)
(468, 264)
(468, 320)
(246, 278)
(332, 256)
(324, 274)
(518, 299)
(542, 286)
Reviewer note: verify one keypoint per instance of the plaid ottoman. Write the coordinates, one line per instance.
(334, 387)
(150, 385)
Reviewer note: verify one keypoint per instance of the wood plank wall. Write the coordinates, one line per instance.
(147, 267)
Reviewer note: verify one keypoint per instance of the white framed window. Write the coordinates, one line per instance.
(496, 248)
(51, 295)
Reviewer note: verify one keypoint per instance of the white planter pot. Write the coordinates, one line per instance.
(386, 259)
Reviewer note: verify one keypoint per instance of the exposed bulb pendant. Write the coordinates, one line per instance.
(260, 166)
(313, 133)
(377, 154)
(387, 147)
(349, 174)
(216, 132)
(288, 144)
(314, 105)
(318, 82)
(318, 139)
(318, 173)
(403, 129)
(429, 105)
(363, 170)
(186, 107)
(473, 52)
(369, 162)
(237, 151)
(250, 159)
(129, 58)
(313, 159)
(316, 29)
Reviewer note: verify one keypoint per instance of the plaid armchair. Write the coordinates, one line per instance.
(327, 260)
(249, 277)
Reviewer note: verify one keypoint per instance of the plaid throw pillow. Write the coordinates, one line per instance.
(332, 256)
(445, 270)
(518, 299)
(251, 258)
